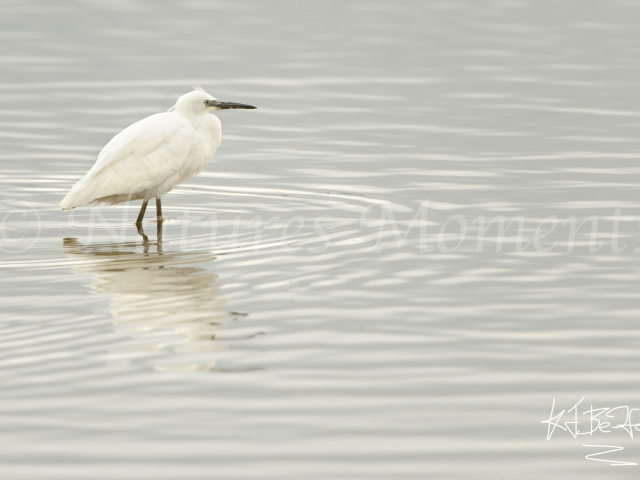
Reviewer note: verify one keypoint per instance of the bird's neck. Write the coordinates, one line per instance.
(207, 125)
(185, 111)
(195, 119)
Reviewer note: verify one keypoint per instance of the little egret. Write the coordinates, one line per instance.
(150, 157)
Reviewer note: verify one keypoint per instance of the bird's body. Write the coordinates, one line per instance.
(152, 156)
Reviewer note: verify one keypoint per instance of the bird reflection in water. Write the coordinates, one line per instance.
(164, 300)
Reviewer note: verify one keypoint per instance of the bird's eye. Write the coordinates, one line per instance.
(206, 102)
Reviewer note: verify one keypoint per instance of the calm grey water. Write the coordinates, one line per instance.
(285, 326)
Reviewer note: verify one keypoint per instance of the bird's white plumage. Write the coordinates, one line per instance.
(150, 157)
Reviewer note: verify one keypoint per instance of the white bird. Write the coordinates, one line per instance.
(152, 156)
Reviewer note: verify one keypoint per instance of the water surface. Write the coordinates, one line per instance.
(278, 329)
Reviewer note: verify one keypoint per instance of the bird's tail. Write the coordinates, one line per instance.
(68, 202)
(77, 196)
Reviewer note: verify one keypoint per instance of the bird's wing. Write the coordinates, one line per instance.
(139, 158)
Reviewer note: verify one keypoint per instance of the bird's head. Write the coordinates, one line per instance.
(199, 102)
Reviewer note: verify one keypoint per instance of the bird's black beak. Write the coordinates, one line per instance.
(231, 105)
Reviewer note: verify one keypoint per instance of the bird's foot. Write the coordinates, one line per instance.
(145, 239)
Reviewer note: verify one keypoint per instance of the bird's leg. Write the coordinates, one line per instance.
(159, 237)
(145, 239)
(159, 210)
(141, 214)
(141, 233)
